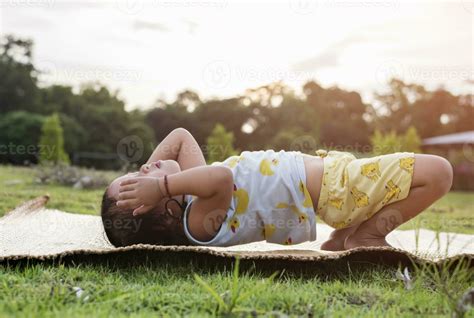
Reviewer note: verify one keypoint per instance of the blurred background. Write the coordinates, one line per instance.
(98, 84)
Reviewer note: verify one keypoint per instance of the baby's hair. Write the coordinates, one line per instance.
(154, 227)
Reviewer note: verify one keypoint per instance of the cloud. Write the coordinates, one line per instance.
(190, 25)
(139, 25)
(330, 57)
(25, 19)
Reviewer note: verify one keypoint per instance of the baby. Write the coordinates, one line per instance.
(265, 195)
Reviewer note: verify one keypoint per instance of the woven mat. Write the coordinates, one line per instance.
(33, 232)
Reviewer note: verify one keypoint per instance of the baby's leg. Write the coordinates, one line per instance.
(432, 178)
(337, 238)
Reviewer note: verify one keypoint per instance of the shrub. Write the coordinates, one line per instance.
(220, 144)
(383, 144)
(19, 136)
(52, 141)
(411, 141)
(387, 143)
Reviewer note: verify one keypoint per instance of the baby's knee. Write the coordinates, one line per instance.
(441, 175)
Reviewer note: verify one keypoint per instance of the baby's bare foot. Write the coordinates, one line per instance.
(337, 238)
(333, 245)
(356, 240)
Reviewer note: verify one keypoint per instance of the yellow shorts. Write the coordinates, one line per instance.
(355, 189)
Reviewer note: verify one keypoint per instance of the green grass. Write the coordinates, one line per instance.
(169, 287)
(17, 185)
(453, 213)
(164, 289)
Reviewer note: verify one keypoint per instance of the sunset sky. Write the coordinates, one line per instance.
(156, 48)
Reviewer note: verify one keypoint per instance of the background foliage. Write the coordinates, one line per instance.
(52, 141)
(94, 119)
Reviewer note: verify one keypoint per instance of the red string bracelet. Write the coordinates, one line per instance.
(166, 186)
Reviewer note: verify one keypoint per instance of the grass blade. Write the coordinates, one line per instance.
(211, 291)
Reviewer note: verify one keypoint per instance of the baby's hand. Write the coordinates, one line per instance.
(141, 194)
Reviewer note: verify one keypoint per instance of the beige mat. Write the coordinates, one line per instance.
(32, 231)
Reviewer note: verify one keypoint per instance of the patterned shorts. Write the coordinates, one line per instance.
(353, 190)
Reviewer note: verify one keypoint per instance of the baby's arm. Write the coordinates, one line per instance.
(180, 146)
(213, 186)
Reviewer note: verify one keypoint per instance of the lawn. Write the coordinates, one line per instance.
(453, 213)
(169, 287)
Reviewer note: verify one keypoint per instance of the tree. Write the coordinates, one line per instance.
(341, 115)
(74, 134)
(18, 82)
(220, 144)
(19, 136)
(429, 112)
(411, 141)
(284, 140)
(230, 112)
(52, 141)
(138, 127)
(383, 144)
(432, 113)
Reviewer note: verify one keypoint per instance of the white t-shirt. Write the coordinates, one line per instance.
(270, 201)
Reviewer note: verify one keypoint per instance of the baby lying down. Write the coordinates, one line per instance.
(175, 198)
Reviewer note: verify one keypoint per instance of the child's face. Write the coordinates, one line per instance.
(156, 169)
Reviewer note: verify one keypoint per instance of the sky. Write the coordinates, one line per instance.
(156, 48)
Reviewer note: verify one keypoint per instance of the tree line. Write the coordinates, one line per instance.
(93, 118)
